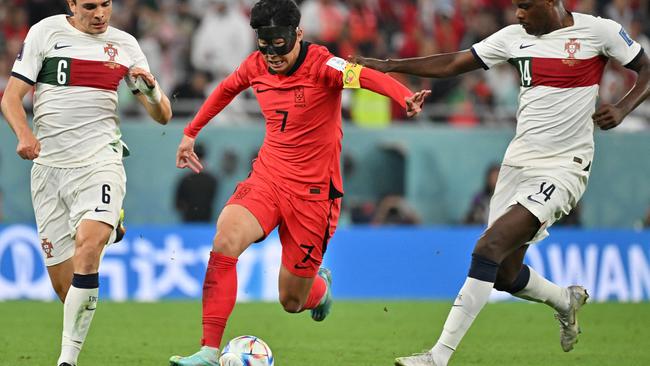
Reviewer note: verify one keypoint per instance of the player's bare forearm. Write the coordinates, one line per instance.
(434, 66)
(12, 106)
(161, 112)
(641, 89)
(608, 116)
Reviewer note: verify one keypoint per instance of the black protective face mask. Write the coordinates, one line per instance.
(268, 34)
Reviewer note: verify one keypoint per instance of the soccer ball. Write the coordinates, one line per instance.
(246, 351)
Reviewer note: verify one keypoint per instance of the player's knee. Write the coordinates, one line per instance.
(87, 256)
(228, 242)
(491, 246)
(291, 304)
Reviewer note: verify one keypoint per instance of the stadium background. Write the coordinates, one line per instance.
(409, 183)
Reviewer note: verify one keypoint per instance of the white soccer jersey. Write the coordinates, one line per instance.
(75, 103)
(559, 75)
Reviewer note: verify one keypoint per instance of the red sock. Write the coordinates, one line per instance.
(316, 293)
(219, 295)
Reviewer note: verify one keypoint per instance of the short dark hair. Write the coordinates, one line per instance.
(275, 12)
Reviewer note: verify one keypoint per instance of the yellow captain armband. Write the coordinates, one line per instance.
(351, 76)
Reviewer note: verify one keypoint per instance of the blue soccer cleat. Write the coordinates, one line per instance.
(206, 356)
(320, 312)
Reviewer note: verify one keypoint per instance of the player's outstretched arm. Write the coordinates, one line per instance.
(434, 66)
(385, 85)
(12, 107)
(609, 116)
(151, 97)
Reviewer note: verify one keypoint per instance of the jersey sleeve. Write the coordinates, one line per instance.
(221, 96)
(138, 59)
(346, 75)
(30, 58)
(493, 50)
(616, 43)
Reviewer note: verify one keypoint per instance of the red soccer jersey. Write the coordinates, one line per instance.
(302, 147)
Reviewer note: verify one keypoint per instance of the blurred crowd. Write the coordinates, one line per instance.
(193, 44)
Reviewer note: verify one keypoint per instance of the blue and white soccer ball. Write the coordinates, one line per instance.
(246, 351)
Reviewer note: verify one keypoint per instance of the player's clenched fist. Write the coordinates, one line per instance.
(28, 147)
(608, 117)
(186, 157)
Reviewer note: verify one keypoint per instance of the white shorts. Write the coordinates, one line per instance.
(548, 193)
(63, 197)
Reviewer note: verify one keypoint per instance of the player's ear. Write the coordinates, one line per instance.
(299, 34)
(72, 4)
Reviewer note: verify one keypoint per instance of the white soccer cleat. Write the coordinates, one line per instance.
(569, 328)
(418, 359)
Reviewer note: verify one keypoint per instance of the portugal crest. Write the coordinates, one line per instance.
(571, 47)
(112, 53)
(47, 247)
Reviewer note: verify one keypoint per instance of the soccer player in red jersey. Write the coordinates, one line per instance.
(296, 180)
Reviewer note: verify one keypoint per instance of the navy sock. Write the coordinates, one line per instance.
(85, 281)
(483, 269)
(521, 281)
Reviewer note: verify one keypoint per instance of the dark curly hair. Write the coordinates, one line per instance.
(275, 12)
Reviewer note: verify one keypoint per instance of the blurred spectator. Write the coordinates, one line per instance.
(188, 96)
(620, 11)
(361, 212)
(195, 193)
(1, 206)
(222, 40)
(395, 210)
(39, 9)
(362, 34)
(480, 205)
(323, 22)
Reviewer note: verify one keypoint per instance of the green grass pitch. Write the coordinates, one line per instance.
(356, 334)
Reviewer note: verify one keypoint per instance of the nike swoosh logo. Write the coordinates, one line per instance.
(258, 90)
(98, 210)
(58, 46)
(530, 198)
(89, 308)
(522, 46)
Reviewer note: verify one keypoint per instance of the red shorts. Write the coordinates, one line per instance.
(305, 227)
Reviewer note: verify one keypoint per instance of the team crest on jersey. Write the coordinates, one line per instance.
(299, 96)
(112, 53)
(571, 48)
(47, 247)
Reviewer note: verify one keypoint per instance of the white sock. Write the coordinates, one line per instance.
(470, 300)
(539, 289)
(78, 311)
